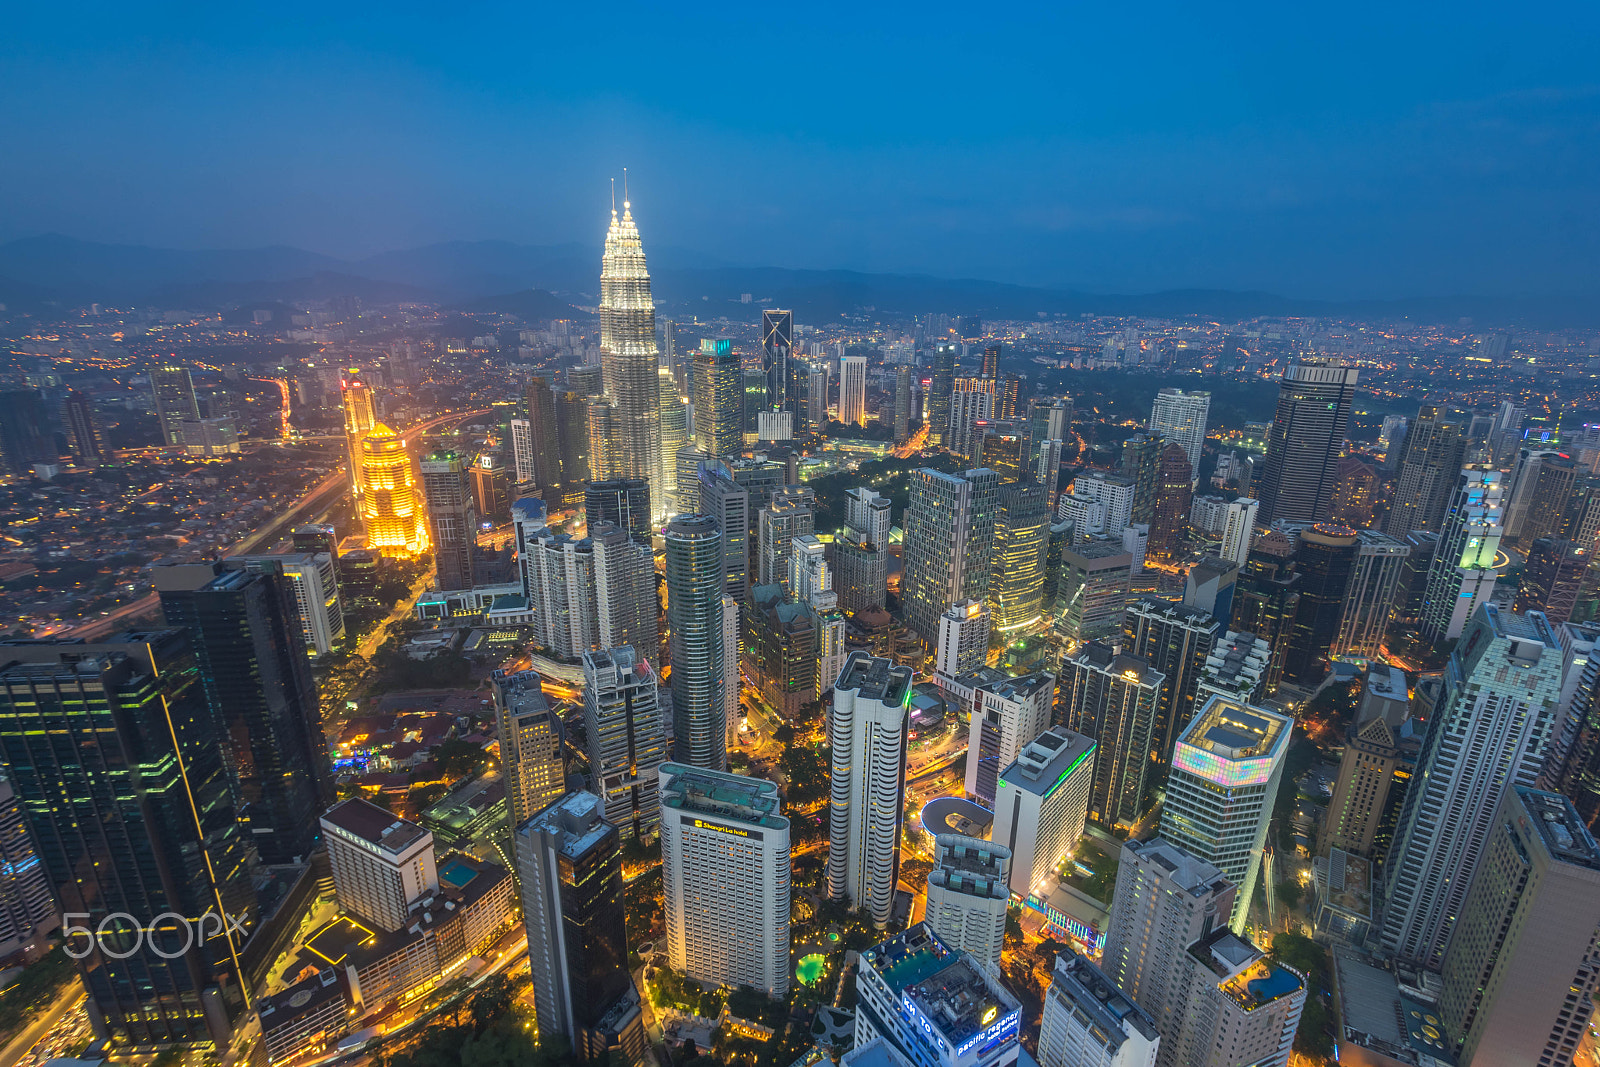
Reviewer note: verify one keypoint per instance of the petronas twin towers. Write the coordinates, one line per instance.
(628, 360)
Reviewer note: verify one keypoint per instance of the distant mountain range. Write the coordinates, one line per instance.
(37, 273)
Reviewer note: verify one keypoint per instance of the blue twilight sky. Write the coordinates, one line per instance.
(1330, 150)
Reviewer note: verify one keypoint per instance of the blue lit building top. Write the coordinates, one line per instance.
(937, 1006)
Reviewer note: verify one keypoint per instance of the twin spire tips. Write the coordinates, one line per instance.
(626, 203)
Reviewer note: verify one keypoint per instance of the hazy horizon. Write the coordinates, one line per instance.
(1383, 154)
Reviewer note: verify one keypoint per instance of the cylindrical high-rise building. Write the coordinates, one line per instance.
(629, 360)
(694, 617)
(868, 732)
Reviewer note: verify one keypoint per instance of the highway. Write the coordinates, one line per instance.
(23, 1043)
(324, 492)
(328, 490)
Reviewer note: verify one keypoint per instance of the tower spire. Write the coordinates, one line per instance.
(627, 206)
(614, 197)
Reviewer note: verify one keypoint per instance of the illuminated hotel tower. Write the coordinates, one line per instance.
(359, 420)
(391, 505)
(628, 356)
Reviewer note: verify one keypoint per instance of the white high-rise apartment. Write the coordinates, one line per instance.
(1239, 522)
(1041, 804)
(522, 450)
(316, 594)
(868, 732)
(868, 512)
(1005, 717)
(725, 868)
(1165, 900)
(853, 390)
(808, 568)
(627, 745)
(1088, 1022)
(558, 578)
(530, 743)
(1047, 470)
(968, 891)
(862, 553)
(1214, 998)
(1236, 668)
(1461, 575)
(791, 514)
(1097, 503)
(831, 650)
(1181, 416)
(626, 609)
(1220, 789)
(1491, 729)
(963, 640)
(1239, 1006)
(972, 401)
(381, 864)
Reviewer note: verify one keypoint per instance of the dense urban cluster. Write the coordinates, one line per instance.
(547, 681)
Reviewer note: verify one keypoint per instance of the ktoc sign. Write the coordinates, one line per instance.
(119, 934)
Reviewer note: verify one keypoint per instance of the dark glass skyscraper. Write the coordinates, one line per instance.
(118, 766)
(777, 342)
(22, 439)
(256, 680)
(569, 861)
(694, 616)
(1267, 598)
(452, 518)
(624, 502)
(1325, 559)
(1303, 446)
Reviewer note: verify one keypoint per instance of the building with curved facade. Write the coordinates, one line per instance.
(694, 618)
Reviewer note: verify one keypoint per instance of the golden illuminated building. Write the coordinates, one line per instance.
(359, 419)
(391, 504)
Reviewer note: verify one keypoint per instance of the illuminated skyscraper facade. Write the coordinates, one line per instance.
(718, 400)
(391, 506)
(355, 396)
(119, 769)
(868, 733)
(1021, 531)
(1491, 729)
(853, 390)
(1220, 789)
(629, 358)
(949, 542)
